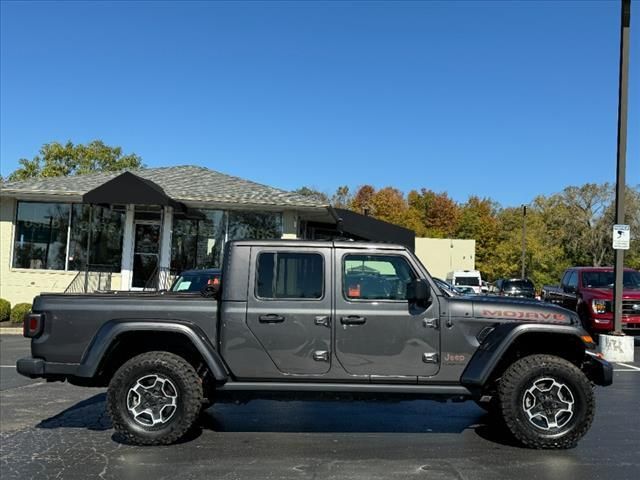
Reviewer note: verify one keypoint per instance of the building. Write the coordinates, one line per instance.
(136, 229)
(444, 255)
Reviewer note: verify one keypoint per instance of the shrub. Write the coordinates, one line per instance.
(5, 310)
(18, 311)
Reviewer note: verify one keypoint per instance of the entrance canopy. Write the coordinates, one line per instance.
(128, 188)
(367, 228)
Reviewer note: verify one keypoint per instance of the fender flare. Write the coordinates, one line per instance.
(109, 332)
(492, 349)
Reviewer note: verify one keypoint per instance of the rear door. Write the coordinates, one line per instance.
(289, 307)
(378, 333)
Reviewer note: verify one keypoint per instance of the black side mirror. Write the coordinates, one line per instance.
(569, 289)
(418, 292)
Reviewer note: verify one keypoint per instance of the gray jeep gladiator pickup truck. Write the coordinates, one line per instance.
(294, 318)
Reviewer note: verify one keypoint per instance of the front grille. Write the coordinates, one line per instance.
(628, 307)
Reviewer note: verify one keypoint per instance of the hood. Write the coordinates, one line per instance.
(607, 293)
(522, 310)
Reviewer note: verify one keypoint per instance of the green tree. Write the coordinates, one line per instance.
(342, 197)
(56, 159)
(313, 193)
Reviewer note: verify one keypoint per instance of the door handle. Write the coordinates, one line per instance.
(353, 320)
(271, 318)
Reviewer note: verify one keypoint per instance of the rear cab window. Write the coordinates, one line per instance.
(289, 275)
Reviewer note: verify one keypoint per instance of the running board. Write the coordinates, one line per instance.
(449, 390)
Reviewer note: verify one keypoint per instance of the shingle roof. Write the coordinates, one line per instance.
(182, 183)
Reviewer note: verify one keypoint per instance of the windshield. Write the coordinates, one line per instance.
(606, 279)
(470, 281)
(192, 282)
(518, 284)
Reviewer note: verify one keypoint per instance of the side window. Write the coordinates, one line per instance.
(289, 275)
(565, 278)
(376, 277)
(573, 280)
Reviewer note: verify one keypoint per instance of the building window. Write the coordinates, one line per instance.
(106, 226)
(376, 277)
(289, 275)
(254, 225)
(199, 243)
(41, 235)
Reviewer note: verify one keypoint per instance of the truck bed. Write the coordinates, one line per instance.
(74, 319)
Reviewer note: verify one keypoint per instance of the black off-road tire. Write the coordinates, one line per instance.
(188, 386)
(521, 376)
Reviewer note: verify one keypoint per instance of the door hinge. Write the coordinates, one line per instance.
(430, 323)
(430, 357)
(323, 320)
(321, 356)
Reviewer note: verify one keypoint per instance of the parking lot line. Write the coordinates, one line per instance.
(632, 367)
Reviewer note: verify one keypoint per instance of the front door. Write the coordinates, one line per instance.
(378, 333)
(289, 307)
(145, 253)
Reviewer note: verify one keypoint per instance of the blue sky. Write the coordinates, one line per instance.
(500, 99)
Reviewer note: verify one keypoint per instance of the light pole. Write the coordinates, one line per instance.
(524, 239)
(625, 22)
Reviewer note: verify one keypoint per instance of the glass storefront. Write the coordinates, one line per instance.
(62, 236)
(199, 243)
(105, 247)
(41, 236)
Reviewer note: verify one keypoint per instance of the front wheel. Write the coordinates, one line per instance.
(154, 398)
(546, 402)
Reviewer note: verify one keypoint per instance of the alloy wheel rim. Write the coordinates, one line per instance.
(152, 400)
(548, 404)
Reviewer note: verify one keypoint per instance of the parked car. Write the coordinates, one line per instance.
(514, 287)
(589, 292)
(310, 316)
(196, 280)
(466, 278)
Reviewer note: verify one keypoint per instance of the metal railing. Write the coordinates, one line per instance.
(160, 279)
(93, 279)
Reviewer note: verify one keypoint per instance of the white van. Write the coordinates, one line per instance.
(466, 278)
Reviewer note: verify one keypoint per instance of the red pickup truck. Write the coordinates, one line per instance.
(589, 291)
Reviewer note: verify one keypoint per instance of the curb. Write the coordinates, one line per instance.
(10, 331)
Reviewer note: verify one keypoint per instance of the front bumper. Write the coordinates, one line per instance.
(598, 370)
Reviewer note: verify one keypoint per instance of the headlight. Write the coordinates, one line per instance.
(600, 306)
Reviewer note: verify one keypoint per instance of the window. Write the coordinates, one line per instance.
(289, 275)
(199, 243)
(106, 225)
(254, 225)
(41, 235)
(573, 280)
(376, 277)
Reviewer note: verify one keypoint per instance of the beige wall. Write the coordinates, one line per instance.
(443, 255)
(21, 285)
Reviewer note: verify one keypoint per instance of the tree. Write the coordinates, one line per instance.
(342, 197)
(56, 160)
(313, 193)
(478, 221)
(362, 201)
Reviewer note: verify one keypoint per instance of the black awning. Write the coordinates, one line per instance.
(128, 188)
(368, 228)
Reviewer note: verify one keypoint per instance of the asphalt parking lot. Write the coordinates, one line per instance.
(60, 431)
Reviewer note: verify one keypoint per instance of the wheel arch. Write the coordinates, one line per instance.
(118, 341)
(509, 342)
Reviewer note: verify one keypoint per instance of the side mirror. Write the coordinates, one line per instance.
(569, 289)
(418, 292)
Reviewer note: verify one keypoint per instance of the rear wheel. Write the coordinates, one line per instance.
(546, 402)
(154, 398)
